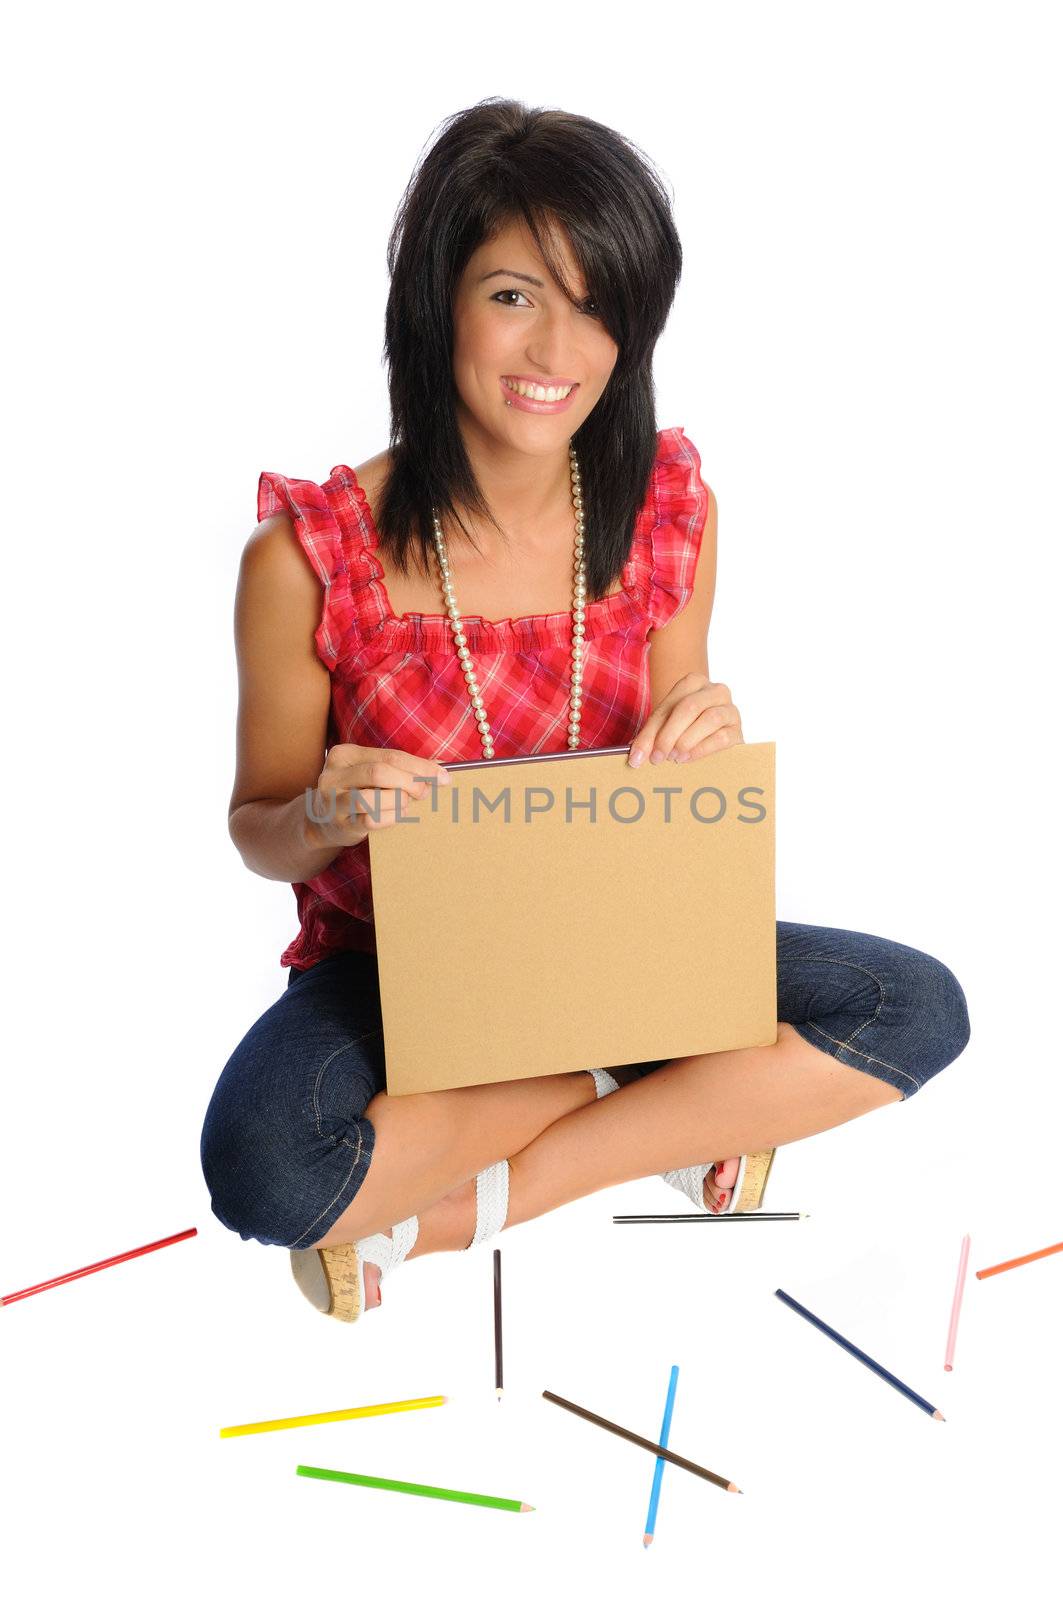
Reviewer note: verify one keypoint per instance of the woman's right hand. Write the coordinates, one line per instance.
(362, 788)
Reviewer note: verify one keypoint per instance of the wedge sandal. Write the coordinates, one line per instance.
(332, 1278)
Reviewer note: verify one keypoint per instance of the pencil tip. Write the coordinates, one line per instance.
(498, 1394)
(732, 1488)
(647, 1540)
(938, 1417)
(527, 1508)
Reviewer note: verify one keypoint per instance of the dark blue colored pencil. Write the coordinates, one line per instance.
(832, 1333)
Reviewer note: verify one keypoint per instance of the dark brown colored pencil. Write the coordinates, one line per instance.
(498, 1324)
(647, 1444)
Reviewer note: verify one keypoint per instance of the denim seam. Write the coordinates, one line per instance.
(317, 1118)
(846, 1044)
(339, 1192)
(837, 961)
(843, 1044)
(337, 1052)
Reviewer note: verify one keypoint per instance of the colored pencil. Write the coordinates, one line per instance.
(97, 1266)
(1019, 1261)
(723, 1216)
(645, 1444)
(426, 1489)
(860, 1355)
(950, 1347)
(658, 1469)
(498, 1324)
(384, 1409)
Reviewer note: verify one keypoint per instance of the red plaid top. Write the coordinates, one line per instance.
(397, 681)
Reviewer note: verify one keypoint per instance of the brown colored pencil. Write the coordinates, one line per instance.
(1019, 1261)
(646, 1444)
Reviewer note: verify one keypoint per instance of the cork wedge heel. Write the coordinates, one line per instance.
(333, 1278)
(747, 1193)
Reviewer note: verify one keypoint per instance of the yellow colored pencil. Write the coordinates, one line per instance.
(334, 1416)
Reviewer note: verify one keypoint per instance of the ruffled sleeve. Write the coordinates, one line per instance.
(320, 535)
(681, 508)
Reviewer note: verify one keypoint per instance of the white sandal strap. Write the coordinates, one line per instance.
(389, 1253)
(492, 1184)
(492, 1202)
(691, 1182)
(492, 1205)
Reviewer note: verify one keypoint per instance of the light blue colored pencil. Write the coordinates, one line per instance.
(658, 1470)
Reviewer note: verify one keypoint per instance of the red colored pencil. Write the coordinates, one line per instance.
(97, 1266)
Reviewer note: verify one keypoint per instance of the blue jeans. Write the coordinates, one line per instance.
(286, 1143)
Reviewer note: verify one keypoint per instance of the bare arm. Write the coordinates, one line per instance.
(283, 713)
(682, 645)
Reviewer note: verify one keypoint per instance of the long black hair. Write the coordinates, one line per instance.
(496, 162)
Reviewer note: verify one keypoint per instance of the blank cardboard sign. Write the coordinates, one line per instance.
(554, 913)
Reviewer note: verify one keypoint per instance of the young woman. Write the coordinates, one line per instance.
(529, 567)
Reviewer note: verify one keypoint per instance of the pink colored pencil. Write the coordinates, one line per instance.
(97, 1266)
(950, 1348)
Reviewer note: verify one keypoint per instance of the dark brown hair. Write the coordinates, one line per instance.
(498, 162)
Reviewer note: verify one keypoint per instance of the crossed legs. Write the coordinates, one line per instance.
(562, 1143)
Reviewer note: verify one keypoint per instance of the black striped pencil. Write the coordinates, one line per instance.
(723, 1216)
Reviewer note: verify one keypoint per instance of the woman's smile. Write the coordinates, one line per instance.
(526, 396)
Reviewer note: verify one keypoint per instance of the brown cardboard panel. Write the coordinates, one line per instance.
(561, 937)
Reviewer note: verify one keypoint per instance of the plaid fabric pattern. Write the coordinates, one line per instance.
(397, 681)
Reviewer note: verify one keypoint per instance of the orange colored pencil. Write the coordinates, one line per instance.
(1020, 1261)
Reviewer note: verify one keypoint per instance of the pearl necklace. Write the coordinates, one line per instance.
(578, 604)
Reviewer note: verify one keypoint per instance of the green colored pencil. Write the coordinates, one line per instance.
(415, 1488)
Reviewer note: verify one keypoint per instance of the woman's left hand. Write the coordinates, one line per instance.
(694, 719)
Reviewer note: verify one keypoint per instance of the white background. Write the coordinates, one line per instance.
(866, 349)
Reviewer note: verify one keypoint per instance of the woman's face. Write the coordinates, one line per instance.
(512, 324)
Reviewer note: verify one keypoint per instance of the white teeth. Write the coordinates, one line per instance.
(536, 391)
